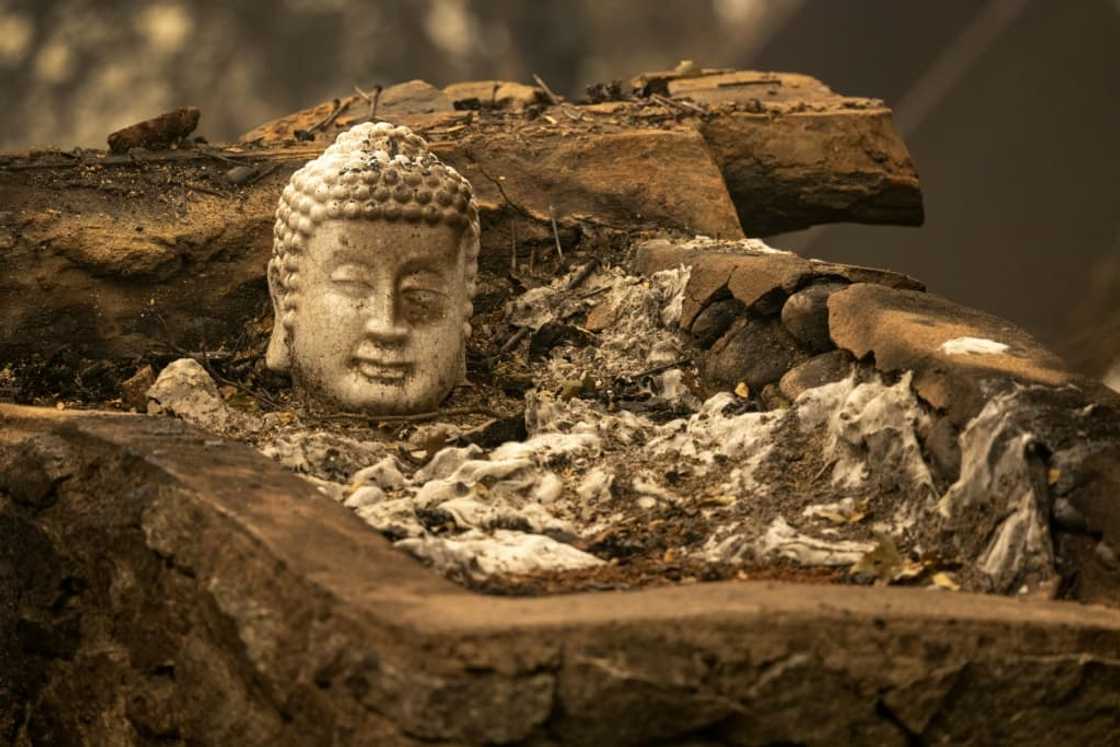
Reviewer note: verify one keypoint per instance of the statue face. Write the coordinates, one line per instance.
(379, 326)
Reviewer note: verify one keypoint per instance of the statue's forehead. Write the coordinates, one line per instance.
(363, 240)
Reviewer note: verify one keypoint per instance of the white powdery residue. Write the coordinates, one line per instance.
(783, 541)
(546, 448)
(478, 555)
(744, 246)
(760, 246)
(670, 285)
(815, 406)
(973, 346)
(709, 433)
(841, 509)
(445, 462)
(644, 313)
(997, 479)
(396, 518)
(469, 513)
(875, 428)
(645, 484)
(385, 474)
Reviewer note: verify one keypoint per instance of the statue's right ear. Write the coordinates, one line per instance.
(279, 355)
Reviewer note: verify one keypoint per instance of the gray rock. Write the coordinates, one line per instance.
(757, 351)
(185, 389)
(817, 371)
(805, 315)
(714, 321)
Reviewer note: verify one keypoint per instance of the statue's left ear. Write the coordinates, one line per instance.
(279, 355)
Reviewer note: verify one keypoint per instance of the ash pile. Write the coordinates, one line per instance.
(721, 409)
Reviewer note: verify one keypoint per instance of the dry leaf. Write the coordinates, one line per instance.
(1053, 475)
(943, 580)
(742, 391)
(884, 561)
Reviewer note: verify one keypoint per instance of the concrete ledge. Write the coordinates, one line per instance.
(162, 584)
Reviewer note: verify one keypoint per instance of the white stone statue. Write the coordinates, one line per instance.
(373, 270)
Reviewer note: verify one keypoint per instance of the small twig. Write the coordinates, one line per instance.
(555, 231)
(824, 468)
(260, 175)
(339, 108)
(446, 130)
(574, 116)
(532, 257)
(372, 98)
(207, 190)
(584, 273)
(758, 82)
(494, 95)
(548, 92)
(592, 293)
(682, 105)
(661, 369)
(497, 183)
(512, 248)
(511, 343)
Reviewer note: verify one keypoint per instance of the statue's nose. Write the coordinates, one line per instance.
(382, 321)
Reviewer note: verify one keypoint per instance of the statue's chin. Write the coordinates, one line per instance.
(381, 395)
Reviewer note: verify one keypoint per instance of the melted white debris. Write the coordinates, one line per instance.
(999, 479)
(973, 346)
(477, 555)
(783, 541)
(586, 469)
(745, 246)
(871, 428)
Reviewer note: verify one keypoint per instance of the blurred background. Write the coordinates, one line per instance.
(1011, 108)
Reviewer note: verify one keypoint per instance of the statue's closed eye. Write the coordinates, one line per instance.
(421, 305)
(352, 279)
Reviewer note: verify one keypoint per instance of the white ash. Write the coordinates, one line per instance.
(590, 466)
(783, 541)
(973, 346)
(742, 246)
(478, 556)
(1002, 494)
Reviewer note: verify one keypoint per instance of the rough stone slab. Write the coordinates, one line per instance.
(795, 154)
(752, 273)
(220, 599)
(906, 330)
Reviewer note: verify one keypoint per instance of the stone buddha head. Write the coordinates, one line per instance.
(373, 269)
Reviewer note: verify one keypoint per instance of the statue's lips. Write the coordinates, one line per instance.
(383, 371)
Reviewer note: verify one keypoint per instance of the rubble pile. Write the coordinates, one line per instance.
(668, 432)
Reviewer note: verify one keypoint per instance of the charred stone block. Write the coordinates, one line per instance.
(817, 371)
(805, 315)
(757, 351)
(715, 320)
